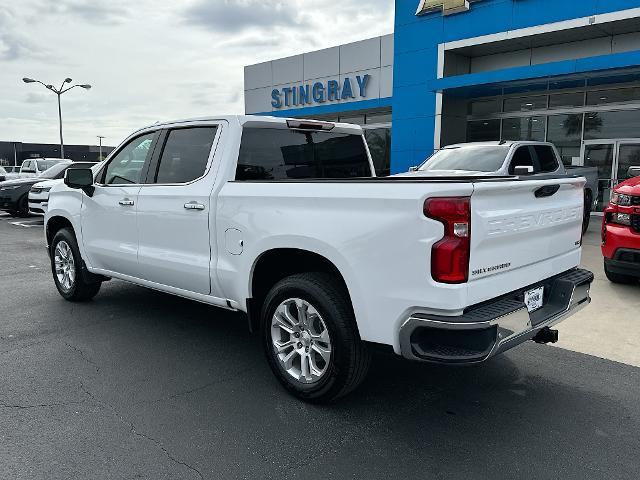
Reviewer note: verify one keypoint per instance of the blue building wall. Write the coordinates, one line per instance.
(416, 59)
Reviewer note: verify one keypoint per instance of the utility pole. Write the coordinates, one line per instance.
(100, 137)
(58, 92)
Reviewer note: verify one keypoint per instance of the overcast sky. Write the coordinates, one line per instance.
(151, 60)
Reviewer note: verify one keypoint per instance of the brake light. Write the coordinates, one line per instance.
(450, 256)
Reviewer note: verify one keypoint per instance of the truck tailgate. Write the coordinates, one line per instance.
(523, 229)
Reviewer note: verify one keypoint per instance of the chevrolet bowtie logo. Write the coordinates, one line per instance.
(447, 6)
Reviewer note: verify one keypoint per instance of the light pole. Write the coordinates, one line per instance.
(58, 92)
(100, 137)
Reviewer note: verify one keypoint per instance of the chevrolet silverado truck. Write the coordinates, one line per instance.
(285, 221)
(509, 158)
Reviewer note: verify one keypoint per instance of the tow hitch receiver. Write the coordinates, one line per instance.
(546, 335)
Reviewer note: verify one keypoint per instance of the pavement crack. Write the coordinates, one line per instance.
(133, 431)
(83, 356)
(38, 405)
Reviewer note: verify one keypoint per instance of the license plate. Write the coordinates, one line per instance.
(534, 299)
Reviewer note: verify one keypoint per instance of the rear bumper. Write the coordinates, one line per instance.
(493, 327)
(626, 261)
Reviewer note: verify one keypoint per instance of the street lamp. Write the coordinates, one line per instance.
(58, 92)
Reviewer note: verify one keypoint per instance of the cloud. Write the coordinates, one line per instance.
(233, 16)
(37, 98)
(93, 11)
(13, 44)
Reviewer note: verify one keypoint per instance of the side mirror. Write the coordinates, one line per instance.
(523, 170)
(413, 169)
(80, 178)
(634, 171)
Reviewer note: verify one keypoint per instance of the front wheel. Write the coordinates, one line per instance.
(23, 207)
(311, 339)
(66, 266)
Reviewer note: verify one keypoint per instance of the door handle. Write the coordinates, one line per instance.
(194, 206)
(126, 202)
(547, 191)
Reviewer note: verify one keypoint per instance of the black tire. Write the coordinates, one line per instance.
(619, 277)
(23, 207)
(588, 205)
(81, 288)
(13, 213)
(349, 359)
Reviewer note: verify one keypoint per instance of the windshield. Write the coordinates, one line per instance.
(55, 172)
(46, 164)
(2, 170)
(472, 158)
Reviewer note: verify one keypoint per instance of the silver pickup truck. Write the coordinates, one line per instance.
(507, 158)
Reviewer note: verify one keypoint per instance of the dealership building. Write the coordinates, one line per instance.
(455, 71)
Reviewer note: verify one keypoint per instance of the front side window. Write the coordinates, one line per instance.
(126, 167)
(522, 158)
(281, 154)
(185, 155)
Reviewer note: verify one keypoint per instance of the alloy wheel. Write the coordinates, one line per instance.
(65, 265)
(301, 340)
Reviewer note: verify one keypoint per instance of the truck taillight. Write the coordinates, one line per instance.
(450, 256)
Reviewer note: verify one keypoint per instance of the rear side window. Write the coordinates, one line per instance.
(281, 154)
(185, 155)
(547, 161)
(541, 157)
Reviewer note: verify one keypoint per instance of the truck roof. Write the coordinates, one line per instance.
(505, 143)
(257, 120)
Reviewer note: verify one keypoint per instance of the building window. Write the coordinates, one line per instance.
(565, 132)
(614, 95)
(373, 118)
(484, 107)
(560, 100)
(525, 128)
(483, 130)
(525, 104)
(621, 124)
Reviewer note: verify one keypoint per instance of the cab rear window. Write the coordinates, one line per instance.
(286, 154)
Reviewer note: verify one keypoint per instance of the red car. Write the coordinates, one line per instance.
(621, 233)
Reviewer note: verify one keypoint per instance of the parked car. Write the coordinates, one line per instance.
(14, 193)
(3, 174)
(508, 158)
(285, 220)
(39, 193)
(621, 232)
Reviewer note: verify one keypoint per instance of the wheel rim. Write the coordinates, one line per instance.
(65, 265)
(301, 340)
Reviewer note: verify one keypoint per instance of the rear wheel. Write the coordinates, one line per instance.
(310, 338)
(66, 266)
(618, 277)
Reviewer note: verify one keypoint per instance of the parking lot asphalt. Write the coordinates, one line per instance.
(139, 384)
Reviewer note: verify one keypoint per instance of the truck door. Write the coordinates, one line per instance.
(175, 211)
(109, 223)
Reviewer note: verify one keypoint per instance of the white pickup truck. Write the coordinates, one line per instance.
(285, 220)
